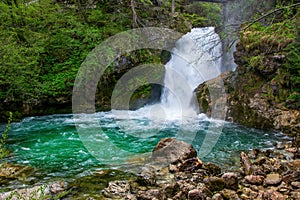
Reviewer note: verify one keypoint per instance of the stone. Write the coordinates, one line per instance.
(283, 188)
(117, 189)
(258, 170)
(214, 183)
(294, 165)
(57, 187)
(196, 195)
(171, 151)
(172, 168)
(254, 153)
(151, 194)
(229, 194)
(280, 146)
(295, 194)
(254, 179)
(217, 196)
(246, 163)
(231, 180)
(147, 177)
(185, 186)
(292, 149)
(296, 184)
(272, 194)
(179, 196)
(13, 171)
(260, 161)
(190, 164)
(36, 192)
(292, 177)
(204, 190)
(272, 179)
(170, 189)
(248, 193)
(212, 168)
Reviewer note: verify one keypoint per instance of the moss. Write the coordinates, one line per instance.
(257, 61)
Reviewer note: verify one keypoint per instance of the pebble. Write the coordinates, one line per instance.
(273, 179)
(296, 184)
(254, 179)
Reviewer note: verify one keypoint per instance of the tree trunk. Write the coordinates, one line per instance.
(134, 17)
(173, 6)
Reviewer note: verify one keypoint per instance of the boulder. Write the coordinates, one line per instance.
(172, 151)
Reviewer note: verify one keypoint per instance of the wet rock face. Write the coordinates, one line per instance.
(253, 96)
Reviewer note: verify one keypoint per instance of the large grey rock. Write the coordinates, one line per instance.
(172, 151)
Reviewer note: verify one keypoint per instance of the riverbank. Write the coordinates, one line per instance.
(175, 172)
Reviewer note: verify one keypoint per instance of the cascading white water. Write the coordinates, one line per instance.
(196, 58)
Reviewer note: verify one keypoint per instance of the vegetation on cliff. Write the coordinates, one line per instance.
(263, 92)
(273, 52)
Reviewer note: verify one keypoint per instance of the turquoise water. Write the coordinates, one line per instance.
(52, 143)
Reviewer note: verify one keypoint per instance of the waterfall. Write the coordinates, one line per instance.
(195, 58)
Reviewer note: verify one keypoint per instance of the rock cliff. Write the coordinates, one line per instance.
(259, 91)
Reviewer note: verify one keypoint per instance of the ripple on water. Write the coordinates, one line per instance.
(53, 145)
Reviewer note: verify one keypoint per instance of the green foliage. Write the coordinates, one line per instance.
(149, 2)
(4, 152)
(204, 14)
(43, 44)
